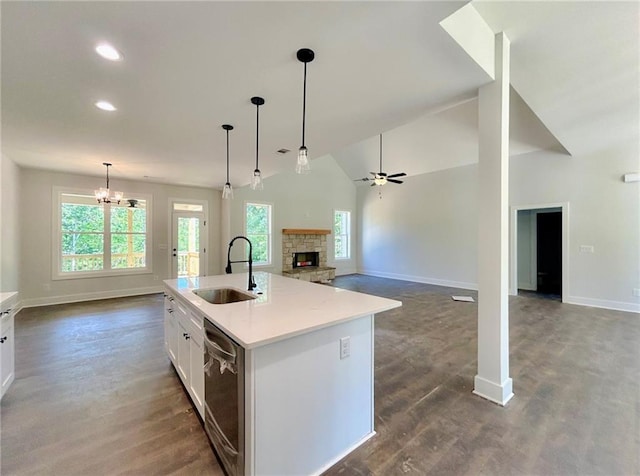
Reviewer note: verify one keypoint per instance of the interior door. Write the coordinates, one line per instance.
(549, 251)
(188, 249)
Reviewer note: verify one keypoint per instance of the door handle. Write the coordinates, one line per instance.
(174, 252)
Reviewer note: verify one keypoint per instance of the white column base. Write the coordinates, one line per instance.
(496, 393)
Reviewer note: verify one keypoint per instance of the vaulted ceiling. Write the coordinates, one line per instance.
(190, 67)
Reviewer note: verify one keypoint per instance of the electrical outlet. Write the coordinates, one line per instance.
(636, 292)
(345, 347)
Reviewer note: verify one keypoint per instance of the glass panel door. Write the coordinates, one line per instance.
(187, 252)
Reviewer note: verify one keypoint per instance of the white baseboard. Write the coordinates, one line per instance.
(345, 271)
(420, 279)
(496, 393)
(604, 304)
(345, 453)
(94, 296)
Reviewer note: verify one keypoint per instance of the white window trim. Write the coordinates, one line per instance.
(57, 274)
(350, 234)
(246, 233)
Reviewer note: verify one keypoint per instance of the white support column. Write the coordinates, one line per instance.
(492, 381)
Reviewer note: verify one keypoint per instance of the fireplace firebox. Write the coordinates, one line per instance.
(306, 259)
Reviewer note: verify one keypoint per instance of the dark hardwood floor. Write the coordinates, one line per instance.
(95, 394)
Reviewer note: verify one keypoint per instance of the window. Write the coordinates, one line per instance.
(342, 234)
(258, 230)
(96, 239)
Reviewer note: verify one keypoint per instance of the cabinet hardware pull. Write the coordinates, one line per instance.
(2, 339)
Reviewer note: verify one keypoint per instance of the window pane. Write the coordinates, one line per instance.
(127, 219)
(187, 207)
(82, 252)
(257, 218)
(82, 217)
(127, 251)
(260, 245)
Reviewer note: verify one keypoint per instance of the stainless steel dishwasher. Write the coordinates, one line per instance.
(224, 397)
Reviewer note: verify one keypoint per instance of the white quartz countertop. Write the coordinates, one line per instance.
(287, 307)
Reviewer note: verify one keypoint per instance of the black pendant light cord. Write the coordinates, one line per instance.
(227, 155)
(257, 130)
(304, 101)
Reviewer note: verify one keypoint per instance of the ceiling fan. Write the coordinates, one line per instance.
(381, 178)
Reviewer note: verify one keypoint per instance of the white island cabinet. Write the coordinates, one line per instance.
(307, 379)
(8, 303)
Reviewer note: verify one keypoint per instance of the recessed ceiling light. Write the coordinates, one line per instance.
(108, 52)
(105, 106)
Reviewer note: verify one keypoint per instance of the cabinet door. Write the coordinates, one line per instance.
(184, 352)
(197, 372)
(7, 364)
(170, 329)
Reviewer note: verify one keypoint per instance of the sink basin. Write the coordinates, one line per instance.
(223, 295)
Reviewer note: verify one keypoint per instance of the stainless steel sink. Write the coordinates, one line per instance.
(223, 295)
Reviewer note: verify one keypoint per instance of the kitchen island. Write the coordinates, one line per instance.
(306, 379)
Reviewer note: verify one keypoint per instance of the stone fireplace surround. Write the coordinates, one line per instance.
(305, 240)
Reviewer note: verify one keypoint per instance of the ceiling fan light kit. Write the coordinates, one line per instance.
(256, 179)
(103, 195)
(227, 191)
(304, 55)
(381, 178)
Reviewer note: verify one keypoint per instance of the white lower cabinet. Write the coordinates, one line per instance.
(7, 345)
(184, 344)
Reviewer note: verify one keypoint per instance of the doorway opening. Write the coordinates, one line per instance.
(188, 240)
(539, 250)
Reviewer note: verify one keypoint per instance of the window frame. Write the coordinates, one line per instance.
(56, 251)
(347, 235)
(269, 261)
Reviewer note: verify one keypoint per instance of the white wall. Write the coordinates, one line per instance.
(9, 225)
(36, 230)
(424, 230)
(303, 201)
(604, 212)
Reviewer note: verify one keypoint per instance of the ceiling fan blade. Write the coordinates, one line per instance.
(394, 181)
(366, 179)
(373, 184)
(374, 173)
(401, 174)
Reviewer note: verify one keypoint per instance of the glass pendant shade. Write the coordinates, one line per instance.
(256, 180)
(303, 166)
(227, 191)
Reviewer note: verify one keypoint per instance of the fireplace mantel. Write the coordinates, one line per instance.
(303, 231)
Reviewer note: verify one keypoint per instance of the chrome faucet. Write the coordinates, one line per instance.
(252, 283)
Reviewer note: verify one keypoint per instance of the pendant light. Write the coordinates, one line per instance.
(103, 195)
(256, 179)
(227, 191)
(305, 55)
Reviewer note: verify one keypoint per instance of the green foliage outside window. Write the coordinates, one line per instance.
(341, 233)
(82, 240)
(259, 231)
